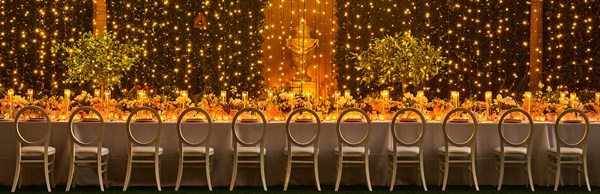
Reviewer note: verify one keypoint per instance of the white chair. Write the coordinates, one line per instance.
(194, 152)
(514, 153)
(352, 153)
(569, 154)
(34, 152)
(304, 154)
(87, 154)
(245, 153)
(407, 154)
(139, 152)
(458, 153)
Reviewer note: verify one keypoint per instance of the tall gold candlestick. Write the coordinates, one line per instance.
(420, 96)
(11, 93)
(454, 97)
(223, 96)
(67, 99)
(527, 96)
(488, 101)
(30, 95)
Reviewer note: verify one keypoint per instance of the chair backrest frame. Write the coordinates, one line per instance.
(504, 140)
(341, 140)
(154, 141)
(451, 141)
(99, 138)
(397, 140)
(560, 141)
(45, 140)
(182, 138)
(237, 139)
(290, 137)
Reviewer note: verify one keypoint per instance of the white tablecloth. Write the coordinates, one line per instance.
(221, 141)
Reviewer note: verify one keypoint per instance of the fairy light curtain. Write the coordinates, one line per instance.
(486, 42)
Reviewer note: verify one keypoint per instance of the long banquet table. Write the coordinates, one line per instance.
(221, 140)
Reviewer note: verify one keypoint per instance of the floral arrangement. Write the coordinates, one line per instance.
(410, 100)
(504, 103)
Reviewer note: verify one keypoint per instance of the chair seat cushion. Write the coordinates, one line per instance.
(455, 150)
(146, 150)
(198, 150)
(351, 150)
(37, 150)
(405, 150)
(301, 151)
(90, 150)
(567, 150)
(512, 150)
(250, 151)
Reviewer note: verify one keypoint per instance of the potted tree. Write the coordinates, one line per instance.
(399, 60)
(102, 60)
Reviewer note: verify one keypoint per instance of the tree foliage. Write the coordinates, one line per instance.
(399, 60)
(102, 60)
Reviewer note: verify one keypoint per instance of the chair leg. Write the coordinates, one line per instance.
(71, 173)
(52, 182)
(207, 170)
(233, 172)
(474, 171)
(179, 171)
(288, 171)
(585, 174)
(339, 171)
(157, 171)
(316, 168)
(422, 173)
(557, 175)
(17, 174)
(579, 170)
(501, 172)
(367, 172)
(394, 169)
(106, 171)
(100, 179)
(446, 169)
(75, 175)
(128, 173)
(529, 174)
(47, 173)
(262, 171)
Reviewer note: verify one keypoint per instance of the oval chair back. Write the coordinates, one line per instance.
(523, 143)
(44, 140)
(155, 141)
(400, 142)
(238, 140)
(315, 138)
(342, 140)
(98, 140)
(184, 141)
(560, 142)
(448, 139)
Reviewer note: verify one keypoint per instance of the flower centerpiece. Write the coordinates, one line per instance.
(502, 104)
